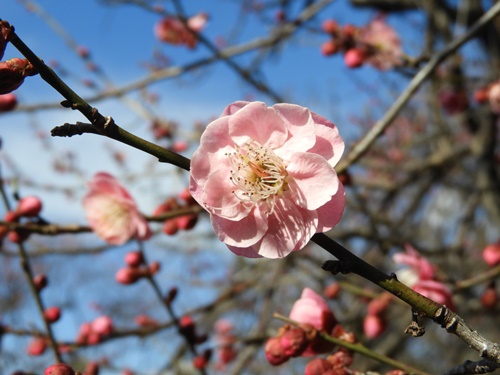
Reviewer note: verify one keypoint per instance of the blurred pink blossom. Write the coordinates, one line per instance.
(173, 31)
(491, 254)
(265, 176)
(112, 213)
(385, 42)
(421, 277)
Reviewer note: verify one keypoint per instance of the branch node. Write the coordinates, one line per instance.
(337, 266)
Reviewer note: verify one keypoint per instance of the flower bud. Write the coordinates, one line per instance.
(128, 275)
(40, 282)
(102, 325)
(134, 259)
(172, 293)
(330, 26)
(145, 321)
(330, 47)
(491, 254)
(170, 227)
(13, 72)
(318, 366)
(293, 342)
(153, 268)
(187, 222)
(8, 102)
(5, 30)
(59, 369)
(29, 206)
(18, 236)
(36, 346)
(341, 358)
(332, 291)
(481, 95)
(274, 352)
(354, 58)
(52, 314)
(92, 368)
(373, 326)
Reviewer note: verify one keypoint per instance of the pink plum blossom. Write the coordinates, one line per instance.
(112, 213)
(491, 254)
(421, 277)
(384, 40)
(265, 175)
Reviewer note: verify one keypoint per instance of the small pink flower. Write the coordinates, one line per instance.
(494, 97)
(265, 175)
(112, 213)
(421, 277)
(29, 206)
(384, 41)
(171, 30)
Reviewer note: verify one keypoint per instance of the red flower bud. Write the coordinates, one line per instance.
(134, 258)
(13, 72)
(172, 293)
(330, 26)
(317, 366)
(187, 222)
(36, 346)
(102, 325)
(29, 207)
(40, 282)
(52, 314)
(373, 326)
(274, 352)
(59, 369)
(332, 290)
(153, 268)
(8, 102)
(145, 321)
(293, 342)
(489, 298)
(170, 227)
(491, 253)
(354, 58)
(128, 275)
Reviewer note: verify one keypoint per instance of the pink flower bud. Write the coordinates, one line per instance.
(52, 314)
(187, 222)
(373, 326)
(127, 275)
(187, 328)
(134, 258)
(378, 306)
(318, 366)
(341, 358)
(186, 196)
(274, 352)
(18, 236)
(170, 227)
(13, 72)
(330, 26)
(102, 325)
(332, 291)
(59, 369)
(29, 206)
(293, 342)
(93, 338)
(330, 47)
(354, 58)
(169, 205)
(36, 346)
(226, 354)
(11, 217)
(146, 321)
(40, 282)
(491, 254)
(8, 102)
(200, 362)
(180, 146)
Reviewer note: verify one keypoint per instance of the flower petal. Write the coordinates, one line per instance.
(314, 177)
(246, 252)
(243, 233)
(330, 213)
(258, 122)
(300, 126)
(328, 144)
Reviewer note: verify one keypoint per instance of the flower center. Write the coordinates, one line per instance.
(257, 172)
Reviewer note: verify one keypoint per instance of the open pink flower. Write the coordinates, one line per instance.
(265, 175)
(384, 40)
(112, 213)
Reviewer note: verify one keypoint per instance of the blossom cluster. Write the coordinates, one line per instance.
(376, 44)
